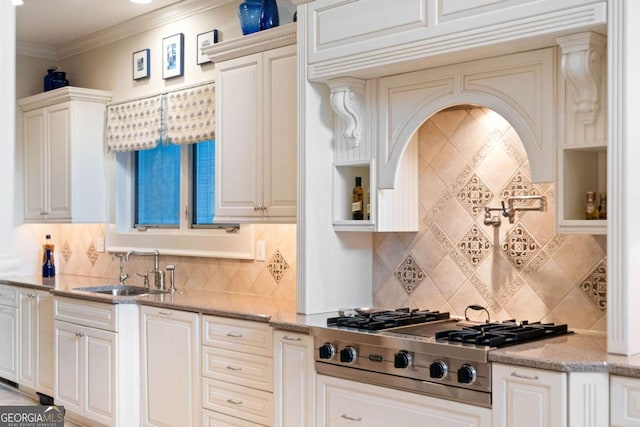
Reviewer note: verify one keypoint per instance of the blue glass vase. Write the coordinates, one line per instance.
(269, 15)
(249, 15)
(48, 79)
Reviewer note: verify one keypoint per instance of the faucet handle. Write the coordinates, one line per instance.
(146, 278)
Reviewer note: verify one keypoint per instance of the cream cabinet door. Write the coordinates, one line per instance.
(69, 376)
(294, 379)
(44, 357)
(35, 177)
(526, 397)
(27, 342)
(170, 367)
(8, 342)
(100, 384)
(256, 137)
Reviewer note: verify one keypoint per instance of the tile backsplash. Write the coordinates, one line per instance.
(77, 254)
(470, 158)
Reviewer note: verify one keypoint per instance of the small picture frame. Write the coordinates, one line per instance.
(204, 40)
(173, 56)
(140, 65)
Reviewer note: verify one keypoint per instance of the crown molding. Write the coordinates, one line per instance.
(37, 50)
(143, 23)
(63, 94)
(260, 41)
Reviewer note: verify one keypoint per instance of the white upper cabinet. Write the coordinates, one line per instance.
(256, 137)
(364, 38)
(64, 172)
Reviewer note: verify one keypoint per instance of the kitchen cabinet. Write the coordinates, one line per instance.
(625, 401)
(531, 397)
(343, 402)
(294, 379)
(64, 157)
(256, 137)
(347, 38)
(237, 371)
(170, 367)
(8, 333)
(36, 367)
(97, 361)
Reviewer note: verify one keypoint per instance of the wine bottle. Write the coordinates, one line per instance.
(357, 200)
(591, 210)
(48, 265)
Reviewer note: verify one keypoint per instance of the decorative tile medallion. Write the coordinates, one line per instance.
(474, 245)
(409, 274)
(66, 251)
(92, 254)
(520, 246)
(277, 266)
(594, 286)
(475, 195)
(519, 186)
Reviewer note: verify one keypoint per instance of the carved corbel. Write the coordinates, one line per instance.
(583, 58)
(347, 96)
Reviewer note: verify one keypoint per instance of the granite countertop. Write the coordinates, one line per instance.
(583, 351)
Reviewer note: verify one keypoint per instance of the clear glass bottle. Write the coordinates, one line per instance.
(48, 264)
(357, 200)
(591, 210)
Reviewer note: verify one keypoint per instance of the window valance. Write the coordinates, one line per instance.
(186, 116)
(135, 125)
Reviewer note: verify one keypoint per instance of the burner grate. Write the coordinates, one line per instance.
(380, 320)
(502, 334)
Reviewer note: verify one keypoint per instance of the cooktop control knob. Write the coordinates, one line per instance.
(438, 369)
(467, 374)
(348, 354)
(402, 359)
(327, 351)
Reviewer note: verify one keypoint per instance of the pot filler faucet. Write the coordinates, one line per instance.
(158, 275)
(509, 211)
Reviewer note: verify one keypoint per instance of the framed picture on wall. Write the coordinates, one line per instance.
(205, 40)
(173, 56)
(141, 64)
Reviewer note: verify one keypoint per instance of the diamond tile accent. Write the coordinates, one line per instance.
(520, 246)
(475, 245)
(277, 266)
(66, 251)
(409, 274)
(483, 289)
(93, 254)
(594, 286)
(475, 195)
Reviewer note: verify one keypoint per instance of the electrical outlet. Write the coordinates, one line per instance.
(260, 250)
(100, 244)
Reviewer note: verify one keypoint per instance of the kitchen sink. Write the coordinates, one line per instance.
(121, 290)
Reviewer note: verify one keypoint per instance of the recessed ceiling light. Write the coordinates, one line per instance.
(17, 2)
(141, 1)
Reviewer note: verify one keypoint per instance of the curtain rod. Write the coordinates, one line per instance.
(162, 93)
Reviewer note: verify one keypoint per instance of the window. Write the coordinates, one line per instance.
(163, 179)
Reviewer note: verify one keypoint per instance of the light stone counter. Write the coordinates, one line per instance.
(583, 351)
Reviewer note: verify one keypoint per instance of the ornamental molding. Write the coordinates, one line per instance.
(63, 94)
(347, 101)
(584, 56)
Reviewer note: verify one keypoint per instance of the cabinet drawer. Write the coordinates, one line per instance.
(216, 419)
(625, 401)
(8, 296)
(238, 335)
(87, 313)
(239, 368)
(237, 401)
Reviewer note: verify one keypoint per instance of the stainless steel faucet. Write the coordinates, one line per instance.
(509, 211)
(123, 276)
(158, 275)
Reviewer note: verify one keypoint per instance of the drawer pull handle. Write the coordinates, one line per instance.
(233, 368)
(234, 402)
(79, 334)
(524, 377)
(347, 417)
(165, 313)
(287, 338)
(31, 295)
(234, 335)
